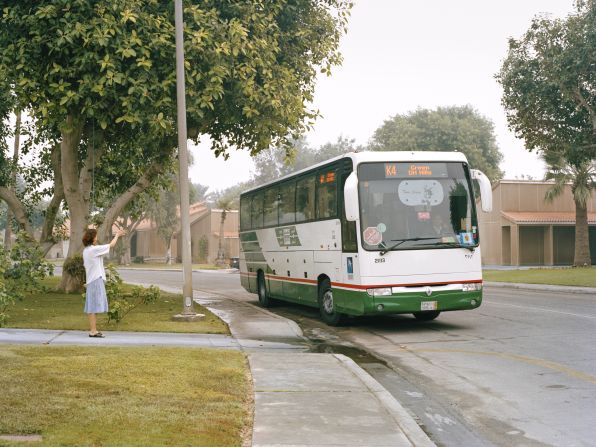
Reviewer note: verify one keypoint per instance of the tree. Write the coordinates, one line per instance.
(273, 163)
(200, 192)
(99, 80)
(164, 209)
(582, 177)
(549, 93)
(224, 205)
(454, 128)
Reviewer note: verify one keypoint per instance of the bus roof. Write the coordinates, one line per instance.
(375, 156)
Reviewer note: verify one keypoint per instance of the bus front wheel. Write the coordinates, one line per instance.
(264, 299)
(427, 315)
(329, 313)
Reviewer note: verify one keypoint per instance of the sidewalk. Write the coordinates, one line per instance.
(301, 399)
(547, 287)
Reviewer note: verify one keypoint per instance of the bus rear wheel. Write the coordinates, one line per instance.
(264, 299)
(329, 313)
(427, 315)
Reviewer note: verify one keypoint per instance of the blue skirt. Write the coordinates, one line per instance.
(96, 300)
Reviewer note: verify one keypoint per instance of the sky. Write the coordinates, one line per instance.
(400, 55)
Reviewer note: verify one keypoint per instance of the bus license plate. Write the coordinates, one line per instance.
(428, 305)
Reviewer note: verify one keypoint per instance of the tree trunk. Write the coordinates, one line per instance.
(582, 237)
(169, 250)
(125, 240)
(15, 159)
(77, 206)
(220, 252)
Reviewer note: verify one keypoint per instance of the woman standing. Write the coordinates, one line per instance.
(96, 300)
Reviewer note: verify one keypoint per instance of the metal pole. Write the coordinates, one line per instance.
(183, 159)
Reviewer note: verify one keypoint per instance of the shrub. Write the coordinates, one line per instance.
(21, 272)
(75, 267)
(121, 303)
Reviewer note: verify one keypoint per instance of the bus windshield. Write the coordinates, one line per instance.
(416, 205)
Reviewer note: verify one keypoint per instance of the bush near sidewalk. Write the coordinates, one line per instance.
(583, 277)
(58, 310)
(22, 270)
(87, 396)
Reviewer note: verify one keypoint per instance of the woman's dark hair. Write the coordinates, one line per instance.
(89, 236)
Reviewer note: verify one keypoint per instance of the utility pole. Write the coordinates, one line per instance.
(15, 160)
(188, 313)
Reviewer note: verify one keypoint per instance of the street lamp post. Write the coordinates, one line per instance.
(188, 313)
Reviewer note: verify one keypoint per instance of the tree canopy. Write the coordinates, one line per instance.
(98, 78)
(549, 84)
(549, 93)
(455, 128)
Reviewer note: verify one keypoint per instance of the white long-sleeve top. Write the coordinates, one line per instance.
(93, 260)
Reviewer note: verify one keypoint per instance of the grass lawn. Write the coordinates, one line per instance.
(561, 276)
(75, 396)
(56, 310)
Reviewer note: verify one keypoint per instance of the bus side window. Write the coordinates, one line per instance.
(244, 213)
(256, 210)
(287, 204)
(326, 195)
(305, 199)
(270, 207)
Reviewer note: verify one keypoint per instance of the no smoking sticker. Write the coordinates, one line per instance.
(372, 236)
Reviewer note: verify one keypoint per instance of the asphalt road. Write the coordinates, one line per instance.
(518, 371)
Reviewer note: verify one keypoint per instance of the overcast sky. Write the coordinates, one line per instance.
(400, 55)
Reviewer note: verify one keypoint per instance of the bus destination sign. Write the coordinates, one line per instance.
(419, 170)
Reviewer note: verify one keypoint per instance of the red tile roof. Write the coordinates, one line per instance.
(534, 217)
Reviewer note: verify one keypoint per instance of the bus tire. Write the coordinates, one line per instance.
(264, 298)
(427, 315)
(329, 313)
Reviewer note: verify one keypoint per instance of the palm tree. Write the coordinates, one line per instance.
(224, 204)
(582, 176)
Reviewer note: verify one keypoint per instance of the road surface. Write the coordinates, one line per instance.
(518, 371)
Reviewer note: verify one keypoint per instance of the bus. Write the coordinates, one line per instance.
(367, 233)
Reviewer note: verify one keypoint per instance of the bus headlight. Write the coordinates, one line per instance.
(381, 291)
(471, 286)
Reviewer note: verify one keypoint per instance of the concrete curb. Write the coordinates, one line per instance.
(547, 287)
(404, 419)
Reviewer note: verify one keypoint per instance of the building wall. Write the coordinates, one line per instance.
(505, 243)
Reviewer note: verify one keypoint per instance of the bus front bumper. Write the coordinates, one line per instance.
(409, 302)
(417, 302)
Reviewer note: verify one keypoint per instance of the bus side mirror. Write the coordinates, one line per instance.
(486, 191)
(351, 197)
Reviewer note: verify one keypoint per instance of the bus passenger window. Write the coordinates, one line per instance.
(305, 199)
(245, 213)
(326, 195)
(256, 211)
(270, 207)
(287, 203)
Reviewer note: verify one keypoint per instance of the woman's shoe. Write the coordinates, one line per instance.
(96, 335)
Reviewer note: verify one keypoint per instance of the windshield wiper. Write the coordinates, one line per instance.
(452, 244)
(401, 241)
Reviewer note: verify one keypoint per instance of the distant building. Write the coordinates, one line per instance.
(204, 230)
(524, 229)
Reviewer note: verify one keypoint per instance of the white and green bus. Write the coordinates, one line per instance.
(367, 233)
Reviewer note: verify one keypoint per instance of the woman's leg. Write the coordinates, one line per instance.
(92, 324)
